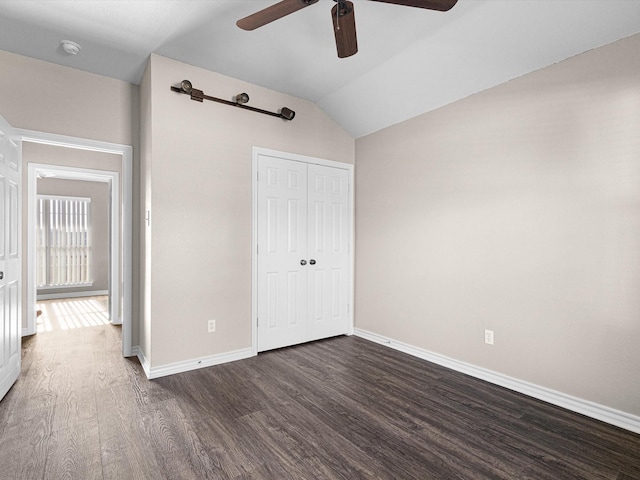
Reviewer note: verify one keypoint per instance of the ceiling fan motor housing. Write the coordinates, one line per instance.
(344, 7)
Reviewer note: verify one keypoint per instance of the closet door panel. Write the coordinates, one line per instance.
(328, 231)
(282, 243)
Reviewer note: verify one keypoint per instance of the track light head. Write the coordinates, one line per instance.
(242, 98)
(287, 113)
(186, 86)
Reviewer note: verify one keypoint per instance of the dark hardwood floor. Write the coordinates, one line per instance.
(342, 408)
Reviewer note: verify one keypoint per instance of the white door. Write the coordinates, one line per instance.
(303, 280)
(10, 165)
(328, 250)
(282, 248)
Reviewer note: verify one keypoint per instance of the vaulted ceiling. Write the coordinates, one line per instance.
(410, 60)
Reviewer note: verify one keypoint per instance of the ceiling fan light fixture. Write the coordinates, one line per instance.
(242, 98)
(72, 48)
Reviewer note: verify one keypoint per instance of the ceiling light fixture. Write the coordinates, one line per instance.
(72, 48)
(287, 113)
(242, 98)
(186, 86)
(239, 100)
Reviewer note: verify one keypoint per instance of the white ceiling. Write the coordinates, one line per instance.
(410, 60)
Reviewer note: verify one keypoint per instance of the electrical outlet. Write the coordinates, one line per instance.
(488, 337)
(211, 326)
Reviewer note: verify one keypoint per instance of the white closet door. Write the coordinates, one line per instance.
(282, 246)
(10, 166)
(328, 249)
(303, 258)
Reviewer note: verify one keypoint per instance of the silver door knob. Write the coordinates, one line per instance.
(303, 262)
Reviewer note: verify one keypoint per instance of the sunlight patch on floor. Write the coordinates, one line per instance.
(72, 313)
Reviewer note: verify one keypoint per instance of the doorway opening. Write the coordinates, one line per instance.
(120, 224)
(72, 245)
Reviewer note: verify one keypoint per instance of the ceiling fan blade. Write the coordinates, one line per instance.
(344, 27)
(274, 12)
(440, 5)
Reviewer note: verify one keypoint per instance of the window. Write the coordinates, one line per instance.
(63, 241)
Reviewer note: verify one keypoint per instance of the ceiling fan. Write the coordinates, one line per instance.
(344, 23)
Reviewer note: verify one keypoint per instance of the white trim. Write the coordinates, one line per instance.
(125, 223)
(55, 296)
(193, 364)
(144, 363)
(63, 197)
(254, 250)
(256, 152)
(578, 405)
(63, 287)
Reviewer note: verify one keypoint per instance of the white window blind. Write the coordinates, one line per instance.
(63, 241)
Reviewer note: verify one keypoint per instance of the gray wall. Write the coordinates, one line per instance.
(518, 210)
(98, 192)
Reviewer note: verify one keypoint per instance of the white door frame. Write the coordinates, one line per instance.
(257, 152)
(120, 227)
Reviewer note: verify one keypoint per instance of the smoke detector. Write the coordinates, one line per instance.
(72, 48)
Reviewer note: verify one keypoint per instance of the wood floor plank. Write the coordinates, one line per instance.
(178, 450)
(23, 445)
(217, 428)
(125, 449)
(339, 457)
(74, 408)
(74, 453)
(624, 476)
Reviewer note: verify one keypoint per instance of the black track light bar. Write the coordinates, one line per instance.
(199, 96)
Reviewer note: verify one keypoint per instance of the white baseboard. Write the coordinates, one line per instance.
(55, 296)
(584, 407)
(136, 351)
(188, 365)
